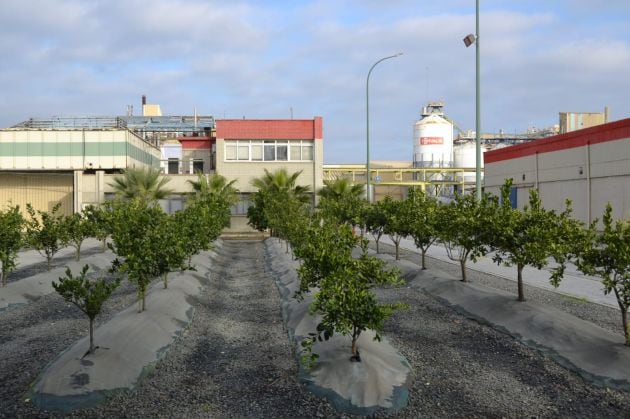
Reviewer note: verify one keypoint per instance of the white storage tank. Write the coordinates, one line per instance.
(433, 139)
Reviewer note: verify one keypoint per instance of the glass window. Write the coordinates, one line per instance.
(257, 152)
(230, 151)
(281, 152)
(243, 152)
(173, 166)
(197, 166)
(270, 151)
(295, 152)
(307, 152)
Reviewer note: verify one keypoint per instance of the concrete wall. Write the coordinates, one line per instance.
(590, 175)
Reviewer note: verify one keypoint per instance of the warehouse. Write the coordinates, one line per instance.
(591, 167)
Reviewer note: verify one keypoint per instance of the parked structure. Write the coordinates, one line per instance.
(590, 167)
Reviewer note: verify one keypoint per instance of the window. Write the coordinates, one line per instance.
(197, 166)
(268, 150)
(173, 166)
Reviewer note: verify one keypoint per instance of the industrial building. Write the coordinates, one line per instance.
(73, 160)
(591, 167)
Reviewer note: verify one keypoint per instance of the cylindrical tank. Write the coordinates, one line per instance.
(465, 155)
(433, 142)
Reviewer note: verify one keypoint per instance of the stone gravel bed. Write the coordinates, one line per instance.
(235, 360)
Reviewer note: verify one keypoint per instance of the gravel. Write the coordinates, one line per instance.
(235, 359)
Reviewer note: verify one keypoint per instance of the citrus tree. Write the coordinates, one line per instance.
(374, 221)
(88, 295)
(342, 285)
(398, 219)
(45, 231)
(99, 220)
(77, 229)
(11, 240)
(607, 255)
(527, 237)
(424, 221)
(466, 227)
(135, 240)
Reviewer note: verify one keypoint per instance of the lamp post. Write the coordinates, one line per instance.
(468, 41)
(367, 122)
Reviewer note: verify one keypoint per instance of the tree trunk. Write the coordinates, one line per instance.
(424, 253)
(355, 351)
(104, 244)
(626, 326)
(78, 253)
(377, 251)
(519, 277)
(462, 263)
(144, 298)
(48, 261)
(3, 277)
(165, 278)
(397, 245)
(91, 351)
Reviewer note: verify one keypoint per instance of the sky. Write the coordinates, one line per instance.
(277, 59)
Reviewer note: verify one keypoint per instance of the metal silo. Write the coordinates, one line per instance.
(433, 138)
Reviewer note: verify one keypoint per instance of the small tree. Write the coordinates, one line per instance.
(344, 297)
(134, 237)
(77, 229)
(607, 255)
(11, 240)
(170, 246)
(424, 221)
(99, 220)
(88, 295)
(374, 221)
(465, 228)
(45, 231)
(398, 220)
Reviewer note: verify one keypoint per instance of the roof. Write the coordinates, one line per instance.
(611, 131)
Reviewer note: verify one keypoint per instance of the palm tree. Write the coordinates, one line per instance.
(340, 188)
(141, 184)
(215, 186)
(280, 182)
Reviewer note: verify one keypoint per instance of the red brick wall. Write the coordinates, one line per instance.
(286, 129)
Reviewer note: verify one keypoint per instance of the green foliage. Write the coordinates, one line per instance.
(88, 295)
(343, 201)
(274, 191)
(375, 221)
(11, 240)
(607, 255)
(343, 284)
(171, 247)
(135, 240)
(77, 229)
(398, 217)
(466, 227)
(141, 184)
(528, 237)
(45, 231)
(99, 219)
(424, 221)
(215, 187)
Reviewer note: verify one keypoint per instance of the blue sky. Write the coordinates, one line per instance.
(262, 59)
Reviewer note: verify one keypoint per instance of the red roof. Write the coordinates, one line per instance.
(611, 131)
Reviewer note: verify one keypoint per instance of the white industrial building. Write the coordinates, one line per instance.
(591, 167)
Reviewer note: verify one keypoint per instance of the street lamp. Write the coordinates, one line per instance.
(468, 41)
(367, 121)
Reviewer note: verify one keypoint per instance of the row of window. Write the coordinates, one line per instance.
(268, 150)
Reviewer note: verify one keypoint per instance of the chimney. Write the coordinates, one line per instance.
(144, 100)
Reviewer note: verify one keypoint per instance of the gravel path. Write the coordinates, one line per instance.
(235, 359)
